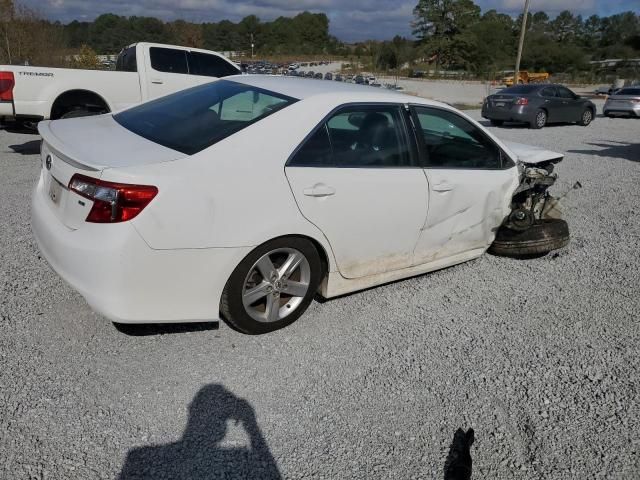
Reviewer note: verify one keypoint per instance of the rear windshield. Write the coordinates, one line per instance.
(192, 120)
(521, 89)
(629, 91)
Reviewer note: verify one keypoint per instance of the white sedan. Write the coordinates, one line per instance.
(243, 198)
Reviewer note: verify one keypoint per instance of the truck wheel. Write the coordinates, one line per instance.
(540, 120)
(79, 112)
(496, 123)
(542, 237)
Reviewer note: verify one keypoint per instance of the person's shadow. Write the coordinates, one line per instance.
(201, 453)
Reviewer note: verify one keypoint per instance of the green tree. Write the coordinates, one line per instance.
(86, 59)
(439, 23)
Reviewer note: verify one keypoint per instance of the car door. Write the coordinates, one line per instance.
(552, 104)
(167, 71)
(470, 184)
(358, 179)
(571, 104)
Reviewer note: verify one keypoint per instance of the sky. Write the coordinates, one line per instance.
(350, 20)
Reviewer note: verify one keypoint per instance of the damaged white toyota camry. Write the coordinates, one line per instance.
(243, 198)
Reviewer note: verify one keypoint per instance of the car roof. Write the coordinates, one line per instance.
(303, 88)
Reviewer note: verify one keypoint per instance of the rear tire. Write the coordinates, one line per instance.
(540, 120)
(496, 123)
(586, 117)
(541, 238)
(259, 297)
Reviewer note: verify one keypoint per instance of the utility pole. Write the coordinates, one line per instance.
(252, 45)
(516, 74)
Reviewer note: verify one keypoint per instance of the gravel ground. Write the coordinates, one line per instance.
(540, 357)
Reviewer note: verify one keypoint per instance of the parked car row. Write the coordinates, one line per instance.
(538, 105)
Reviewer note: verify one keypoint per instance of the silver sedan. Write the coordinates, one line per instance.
(624, 102)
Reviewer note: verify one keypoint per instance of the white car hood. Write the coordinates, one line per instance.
(96, 143)
(531, 155)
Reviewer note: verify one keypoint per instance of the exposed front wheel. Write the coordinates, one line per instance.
(539, 239)
(540, 120)
(273, 286)
(586, 117)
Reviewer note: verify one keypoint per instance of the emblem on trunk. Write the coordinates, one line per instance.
(47, 162)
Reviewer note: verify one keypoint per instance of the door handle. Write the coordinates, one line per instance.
(156, 81)
(319, 190)
(443, 187)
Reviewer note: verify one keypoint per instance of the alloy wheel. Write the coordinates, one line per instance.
(276, 285)
(541, 119)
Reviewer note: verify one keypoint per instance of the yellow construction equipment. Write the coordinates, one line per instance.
(526, 77)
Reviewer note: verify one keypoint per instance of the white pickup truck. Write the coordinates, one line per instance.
(143, 71)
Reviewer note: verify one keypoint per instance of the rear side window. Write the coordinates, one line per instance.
(191, 120)
(548, 92)
(316, 151)
(210, 65)
(364, 136)
(565, 93)
(127, 61)
(168, 60)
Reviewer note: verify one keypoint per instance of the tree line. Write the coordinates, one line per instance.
(449, 35)
(455, 34)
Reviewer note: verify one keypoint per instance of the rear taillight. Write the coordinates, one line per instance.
(522, 101)
(112, 202)
(7, 82)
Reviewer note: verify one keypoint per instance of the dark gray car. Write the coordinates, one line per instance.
(538, 105)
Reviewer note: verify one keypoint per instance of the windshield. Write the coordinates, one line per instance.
(629, 91)
(192, 120)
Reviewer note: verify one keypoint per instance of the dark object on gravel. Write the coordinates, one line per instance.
(540, 238)
(458, 464)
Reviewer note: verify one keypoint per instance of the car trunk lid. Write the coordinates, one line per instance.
(502, 100)
(88, 146)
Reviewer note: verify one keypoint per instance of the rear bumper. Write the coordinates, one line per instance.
(125, 280)
(518, 113)
(6, 110)
(621, 110)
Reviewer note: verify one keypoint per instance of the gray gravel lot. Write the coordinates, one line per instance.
(540, 357)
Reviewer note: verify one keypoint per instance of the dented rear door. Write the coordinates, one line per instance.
(471, 182)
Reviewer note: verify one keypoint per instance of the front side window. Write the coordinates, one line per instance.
(358, 137)
(191, 120)
(168, 60)
(451, 141)
(210, 65)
